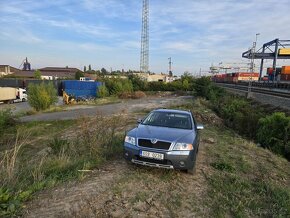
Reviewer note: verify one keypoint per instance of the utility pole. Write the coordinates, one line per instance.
(144, 60)
(170, 67)
(253, 50)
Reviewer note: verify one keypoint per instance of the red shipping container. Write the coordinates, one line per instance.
(285, 77)
(248, 74)
(270, 70)
(285, 70)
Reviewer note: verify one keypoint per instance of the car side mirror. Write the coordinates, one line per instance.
(199, 127)
(139, 121)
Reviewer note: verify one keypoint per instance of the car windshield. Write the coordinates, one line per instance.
(168, 119)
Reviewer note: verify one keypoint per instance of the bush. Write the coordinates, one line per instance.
(41, 96)
(103, 92)
(138, 94)
(116, 86)
(134, 95)
(125, 95)
(37, 74)
(274, 133)
(138, 83)
(202, 87)
(6, 120)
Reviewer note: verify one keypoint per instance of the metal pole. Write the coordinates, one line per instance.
(170, 65)
(275, 59)
(253, 50)
(262, 64)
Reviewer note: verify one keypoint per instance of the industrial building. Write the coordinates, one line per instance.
(7, 70)
(157, 77)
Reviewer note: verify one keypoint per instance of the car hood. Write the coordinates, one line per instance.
(164, 133)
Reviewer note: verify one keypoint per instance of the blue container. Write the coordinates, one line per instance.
(81, 89)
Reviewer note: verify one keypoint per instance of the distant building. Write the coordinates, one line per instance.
(157, 77)
(59, 72)
(50, 73)
(6, 70)
(87, 79)
(92, 76)
(115, 76)
(24, 74)
(170, 79)
(49, 77)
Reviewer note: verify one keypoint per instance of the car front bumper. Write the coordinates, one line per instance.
(172, 159)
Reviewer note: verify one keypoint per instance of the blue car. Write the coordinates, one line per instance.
(166, 139)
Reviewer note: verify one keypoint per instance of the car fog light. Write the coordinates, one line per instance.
(126, 154)
(181, 163)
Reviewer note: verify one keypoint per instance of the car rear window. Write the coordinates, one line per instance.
(168, 119)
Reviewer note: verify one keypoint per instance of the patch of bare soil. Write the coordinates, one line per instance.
(83, 198)
(126, 190)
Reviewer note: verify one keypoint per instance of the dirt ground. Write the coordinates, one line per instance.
(125, 190)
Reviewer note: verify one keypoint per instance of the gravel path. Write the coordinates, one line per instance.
(125, 106)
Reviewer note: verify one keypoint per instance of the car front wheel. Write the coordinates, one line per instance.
(191, 171)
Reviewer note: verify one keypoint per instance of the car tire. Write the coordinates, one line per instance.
(191, 171)
(128, 163)
(23, 100)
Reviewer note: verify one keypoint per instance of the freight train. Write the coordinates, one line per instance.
(235, 77)
(282, 75)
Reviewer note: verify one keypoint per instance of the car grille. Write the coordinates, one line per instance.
(158, 145)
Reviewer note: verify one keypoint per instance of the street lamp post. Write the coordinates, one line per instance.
(253, 50)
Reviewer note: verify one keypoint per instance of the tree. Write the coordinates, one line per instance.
(90, 68)
(78, 75)
(85, 68)
(138, 83)
(103, 71)
(41, 96)
(185, 84)
(37, 74)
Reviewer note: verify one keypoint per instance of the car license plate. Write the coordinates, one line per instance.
(152, 155)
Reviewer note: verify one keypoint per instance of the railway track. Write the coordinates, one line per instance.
(272, 92)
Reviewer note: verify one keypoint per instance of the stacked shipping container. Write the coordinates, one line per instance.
(285, 73)
(282, 74)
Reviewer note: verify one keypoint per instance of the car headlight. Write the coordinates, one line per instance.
(183, 147)
(130, 140)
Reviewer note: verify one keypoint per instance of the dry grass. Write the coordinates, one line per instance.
(98, 133)
(8, 163)
(134, 95)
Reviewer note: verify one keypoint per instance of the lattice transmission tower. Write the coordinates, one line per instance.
(144, 60)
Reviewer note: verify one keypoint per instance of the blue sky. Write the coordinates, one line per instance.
(106, 33)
